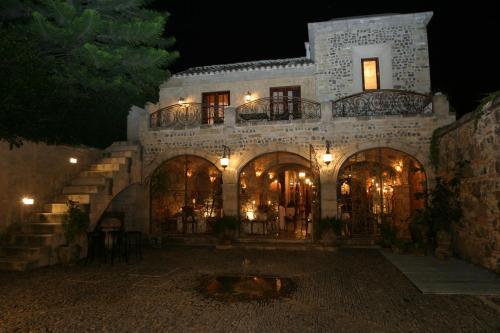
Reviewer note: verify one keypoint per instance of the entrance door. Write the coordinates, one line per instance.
(379, 186)
(284, 102)
(277, 196)
(213, 105)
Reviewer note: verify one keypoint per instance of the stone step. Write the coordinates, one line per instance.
(96, 181)
(27, 253)
(105, 167)
(82, 199)
(82, 189)
(50, 218)
(123, 146)
(114, 160)
(96, 173)
(43, 228)
(124, 153)
(55, 208)
(16, 264)
(37, 240)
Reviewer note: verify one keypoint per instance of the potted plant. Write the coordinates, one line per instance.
(330, 228)
(388, 233)
(75, 225)
(225, 227)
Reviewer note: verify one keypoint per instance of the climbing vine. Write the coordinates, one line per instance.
(479, 111)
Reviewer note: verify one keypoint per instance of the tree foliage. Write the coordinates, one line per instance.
(71, 63)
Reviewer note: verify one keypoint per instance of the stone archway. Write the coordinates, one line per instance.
(185, 196)
(276, 195)
(379, 187)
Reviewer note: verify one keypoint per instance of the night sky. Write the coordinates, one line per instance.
(462, 38)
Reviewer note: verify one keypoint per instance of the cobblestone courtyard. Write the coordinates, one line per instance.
(347, 291)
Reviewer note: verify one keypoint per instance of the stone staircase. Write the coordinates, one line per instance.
(36, 243)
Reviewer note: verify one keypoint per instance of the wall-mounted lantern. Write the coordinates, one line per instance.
(73, 160)
(248, 97)
(224, 161)
(327, 157)
(28, 201)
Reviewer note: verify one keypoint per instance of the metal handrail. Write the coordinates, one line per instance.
(278, 108)
(382, 102)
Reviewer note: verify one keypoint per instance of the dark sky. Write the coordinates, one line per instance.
(462, 38)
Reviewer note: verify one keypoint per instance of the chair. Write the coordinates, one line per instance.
(133, 242)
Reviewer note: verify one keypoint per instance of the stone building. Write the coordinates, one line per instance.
(343, 131)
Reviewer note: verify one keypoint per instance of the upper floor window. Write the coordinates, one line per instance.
(285, 101)
(370, 73)
(213, 105)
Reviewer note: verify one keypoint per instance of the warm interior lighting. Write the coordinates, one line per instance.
(212, 178)
(73, 160)
(258, 172)
(399, 167)
(345, 189)
(370, 74)
(224, 161)
(189, 172)
(302, 175)
(327, 157)
(248, 97)
(271, 175)
(28, 201)
(181, 100)
(250, 215)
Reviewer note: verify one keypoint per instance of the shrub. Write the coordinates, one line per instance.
(225, 223)
(331, 223)
(75, 222)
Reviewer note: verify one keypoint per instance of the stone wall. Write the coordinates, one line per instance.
(257, 82)
(399, 41)
(410, 134)
(476, 142)
(39, 171)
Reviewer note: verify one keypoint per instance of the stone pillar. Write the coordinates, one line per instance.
(441, 106)
(230, 192)
(229, 116)
(137, 121)
(328, 192)
(326, 111)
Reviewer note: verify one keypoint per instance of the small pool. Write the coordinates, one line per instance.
(246, 288)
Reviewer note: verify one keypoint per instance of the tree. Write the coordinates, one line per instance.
(96, 57)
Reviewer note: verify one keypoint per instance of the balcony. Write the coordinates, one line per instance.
(180, 116)
(382, 103)
(276, 109)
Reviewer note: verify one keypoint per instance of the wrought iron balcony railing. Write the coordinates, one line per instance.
(382, 102)
(282, 108)
(180, 116)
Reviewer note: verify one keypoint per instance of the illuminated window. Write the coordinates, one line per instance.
(213, 107)
(371, 76)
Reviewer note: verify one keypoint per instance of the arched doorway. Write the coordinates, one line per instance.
(278, 197)
(186, 196)
(380, 185)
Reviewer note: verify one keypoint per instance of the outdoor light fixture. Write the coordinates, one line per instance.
(73, 160)
(302, 175)
(28, 201)
(224, 161)
(248, 97)
(181, 100)
(327, 157)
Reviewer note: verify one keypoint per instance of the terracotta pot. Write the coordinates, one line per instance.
(68, 254)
